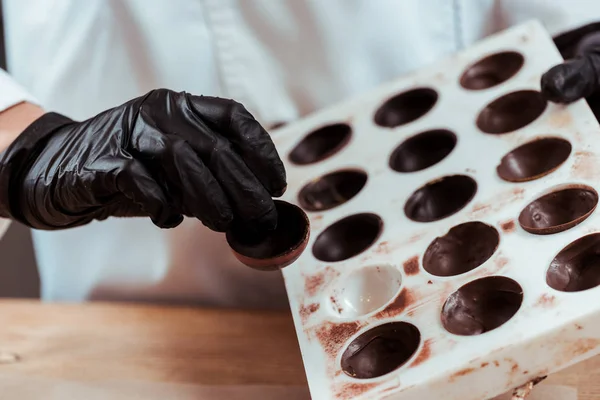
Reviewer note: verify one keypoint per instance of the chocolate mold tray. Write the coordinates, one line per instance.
(453, 252)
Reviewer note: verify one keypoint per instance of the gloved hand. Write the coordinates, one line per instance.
(579, 76)
(163, 155)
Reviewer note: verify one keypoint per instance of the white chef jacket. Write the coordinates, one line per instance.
(281, 58)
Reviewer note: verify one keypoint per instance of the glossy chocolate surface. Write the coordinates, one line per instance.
(440, 198)
(577, 266)
(380, 350)
(321, 144)
(534, 159)
(558, 211)
(347, 237)
(481, 306)
(492, 70)
(331, 190)
(405, 107)
(464, 248)
(511, 112)
(263, 249)
(423, 150)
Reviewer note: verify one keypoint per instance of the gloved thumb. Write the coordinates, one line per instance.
(570, 81)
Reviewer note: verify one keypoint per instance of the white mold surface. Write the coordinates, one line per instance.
(336, 300)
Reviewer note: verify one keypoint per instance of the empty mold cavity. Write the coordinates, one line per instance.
(275, 249)
(347, 237)
(577, 266)
(331, 190)
(320, 144)
(422, 150)
(534, 159)
(380, 350)
(405, 107)
(366, 290)
(492, 70)
(511, 112)
(559, 210)
(481, 306)
(440, 198)
(464, 248)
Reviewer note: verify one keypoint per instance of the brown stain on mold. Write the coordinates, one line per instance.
(508, 226)
(545, 301)
(314, 283)
(333, 335)
(411, 266)
(485, 364)
(578, 327)
(336, 304)
(382, 248)
(561, 119)
(307, 311)
(403, 300)
(581, 347)
(386, 247)
(500, 201)
(585, 165)
(496, 363)
(462, 372)
(352, 390)
(424, 354)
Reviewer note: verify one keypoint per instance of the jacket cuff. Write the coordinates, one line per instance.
(568, 42)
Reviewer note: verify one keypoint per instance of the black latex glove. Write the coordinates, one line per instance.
(579, 76)
(163, 155)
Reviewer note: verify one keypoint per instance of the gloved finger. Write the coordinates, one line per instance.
(249, 199)
(249, 138)
(570, 81)
(137, 185)
(194, 186)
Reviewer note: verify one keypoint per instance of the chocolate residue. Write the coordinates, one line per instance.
(422, 150)
(501, 262)
(508, 226)
(496, 363)
(429, 282)
(481, 305)
(585, 165)
(534, 160)
(403, 300)
(577, 266)
(485, 364)
(440, 198)
(347, 237)
(336, 305)
(560, 119)
(321, 144)
(380, 350)
(462, 372)
(464, 248)
(333, 335)
(545, 300)
(332, 190)
(382, 248)
(578, 327)
(314, 283)
(511, 112)
(525, 372)
(306, 311)
(558, 211)
(411, 266)
(353, 390)
(501, 200)
(424, 354)
(492, 70)
(405, 107)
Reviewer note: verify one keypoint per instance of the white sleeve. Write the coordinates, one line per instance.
(11, 93)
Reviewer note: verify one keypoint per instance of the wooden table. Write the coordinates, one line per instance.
(97, 350)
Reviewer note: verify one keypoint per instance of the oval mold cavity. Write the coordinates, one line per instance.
(559, 210)
(405, 107)
(492, 70)
(347, 237)
(380, 350)
(464, 248)
(321, 144)
(576, 267)
(481, 306)
(440, 198)
(331, 190)
(534, 160)
(422, 150)
(511, 112)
